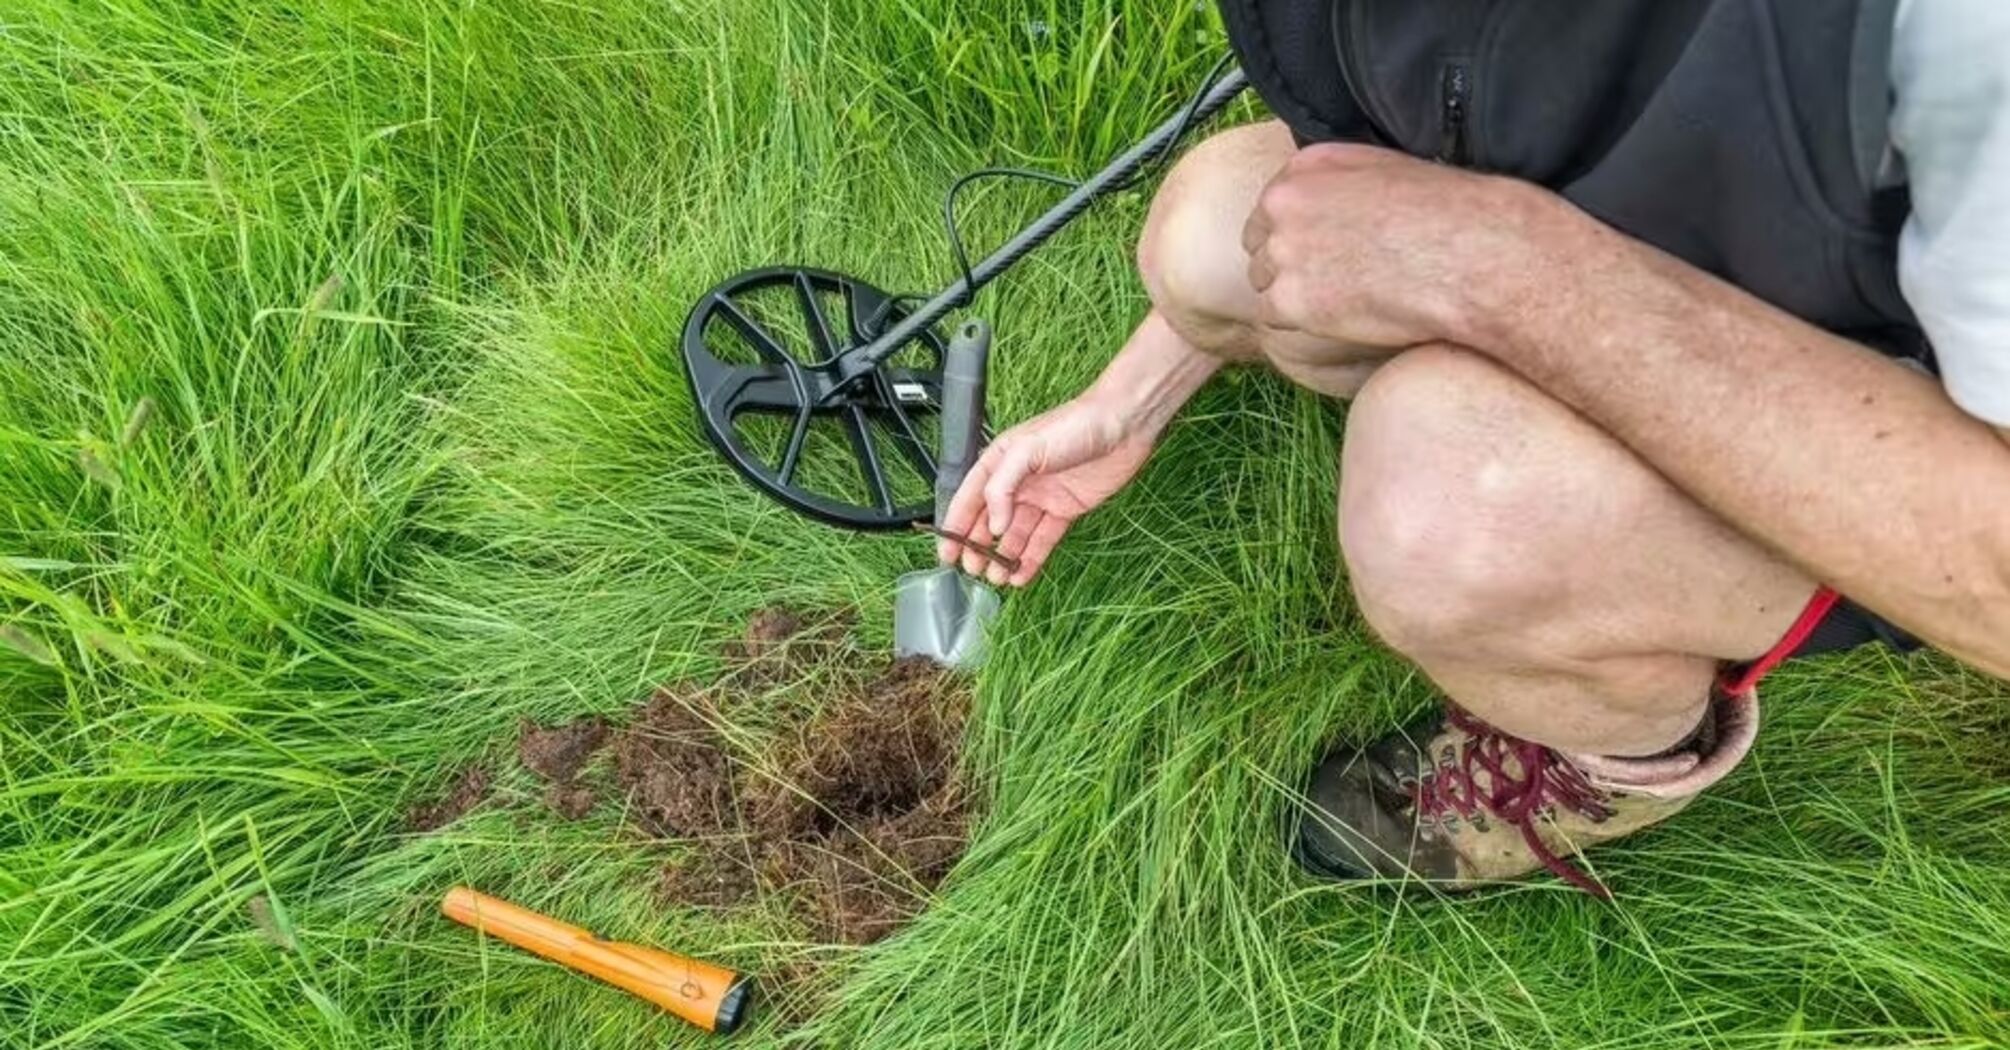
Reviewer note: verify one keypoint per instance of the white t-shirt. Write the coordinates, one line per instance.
(1950, 74)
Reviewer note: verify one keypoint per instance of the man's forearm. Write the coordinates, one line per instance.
(1855, 468)
(1154, 374)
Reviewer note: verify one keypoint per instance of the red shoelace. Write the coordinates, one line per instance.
(1546, 781)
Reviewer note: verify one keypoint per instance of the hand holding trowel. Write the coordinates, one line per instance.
(940, 613)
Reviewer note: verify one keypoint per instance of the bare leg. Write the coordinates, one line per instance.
(1193, 265)
(1541, 574)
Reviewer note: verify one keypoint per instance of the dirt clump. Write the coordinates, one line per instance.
(867, 814)
(559, 754)
(768, 628)
(571, 801)
(781, 645)
(707, 879)
(850, 815)
(468, 790)
(671, 769)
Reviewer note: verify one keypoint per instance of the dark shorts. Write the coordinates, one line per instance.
(1849, 626)
(1830, 624)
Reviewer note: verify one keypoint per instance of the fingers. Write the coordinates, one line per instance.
(987, 510)
(1002, 490)
(1040, 542)
(974, 560)
(965, 507)
(1014, 541)
(1255, 230)
(1255, 244)
(1262, 272)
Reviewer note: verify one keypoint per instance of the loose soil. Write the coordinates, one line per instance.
(558, 753)
(469, 789)
(851, 816)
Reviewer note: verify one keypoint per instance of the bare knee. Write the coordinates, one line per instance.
(1455, 535)
(1190, 254)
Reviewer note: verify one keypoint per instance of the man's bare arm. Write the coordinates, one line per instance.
(1857, 469)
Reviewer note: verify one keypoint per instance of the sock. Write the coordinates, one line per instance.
(1717, 746)
(1701, 740)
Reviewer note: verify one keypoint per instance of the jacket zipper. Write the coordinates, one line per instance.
(1455, 98)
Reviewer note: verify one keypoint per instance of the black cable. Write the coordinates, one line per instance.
(1152, 166)
(949, 213)
(1147, 169)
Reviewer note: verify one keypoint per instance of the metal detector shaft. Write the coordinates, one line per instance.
(1119, 172)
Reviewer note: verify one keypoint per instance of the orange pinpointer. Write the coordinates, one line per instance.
(711, 997)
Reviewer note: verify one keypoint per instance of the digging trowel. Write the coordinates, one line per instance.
(941, 613)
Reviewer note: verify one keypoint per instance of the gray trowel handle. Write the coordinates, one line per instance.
(963, 371)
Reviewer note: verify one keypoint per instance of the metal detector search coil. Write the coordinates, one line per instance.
(852, 368)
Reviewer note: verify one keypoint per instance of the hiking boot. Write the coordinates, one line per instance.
(1459, 803)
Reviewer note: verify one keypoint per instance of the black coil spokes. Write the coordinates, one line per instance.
(844, 441)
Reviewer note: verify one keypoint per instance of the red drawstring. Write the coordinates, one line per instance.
(1744, 679)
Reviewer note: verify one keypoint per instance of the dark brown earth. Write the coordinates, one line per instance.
(708, 878)
(866, 815)
(467, 792)
(558, 753)
(851, 817)
(571, 801)
(781, 645)
(671, 769)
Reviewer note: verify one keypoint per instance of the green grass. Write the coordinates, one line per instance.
(396, 285)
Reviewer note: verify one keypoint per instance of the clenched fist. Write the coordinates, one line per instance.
(1367, 246)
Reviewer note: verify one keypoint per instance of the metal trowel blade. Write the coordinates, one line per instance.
(944, 616)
